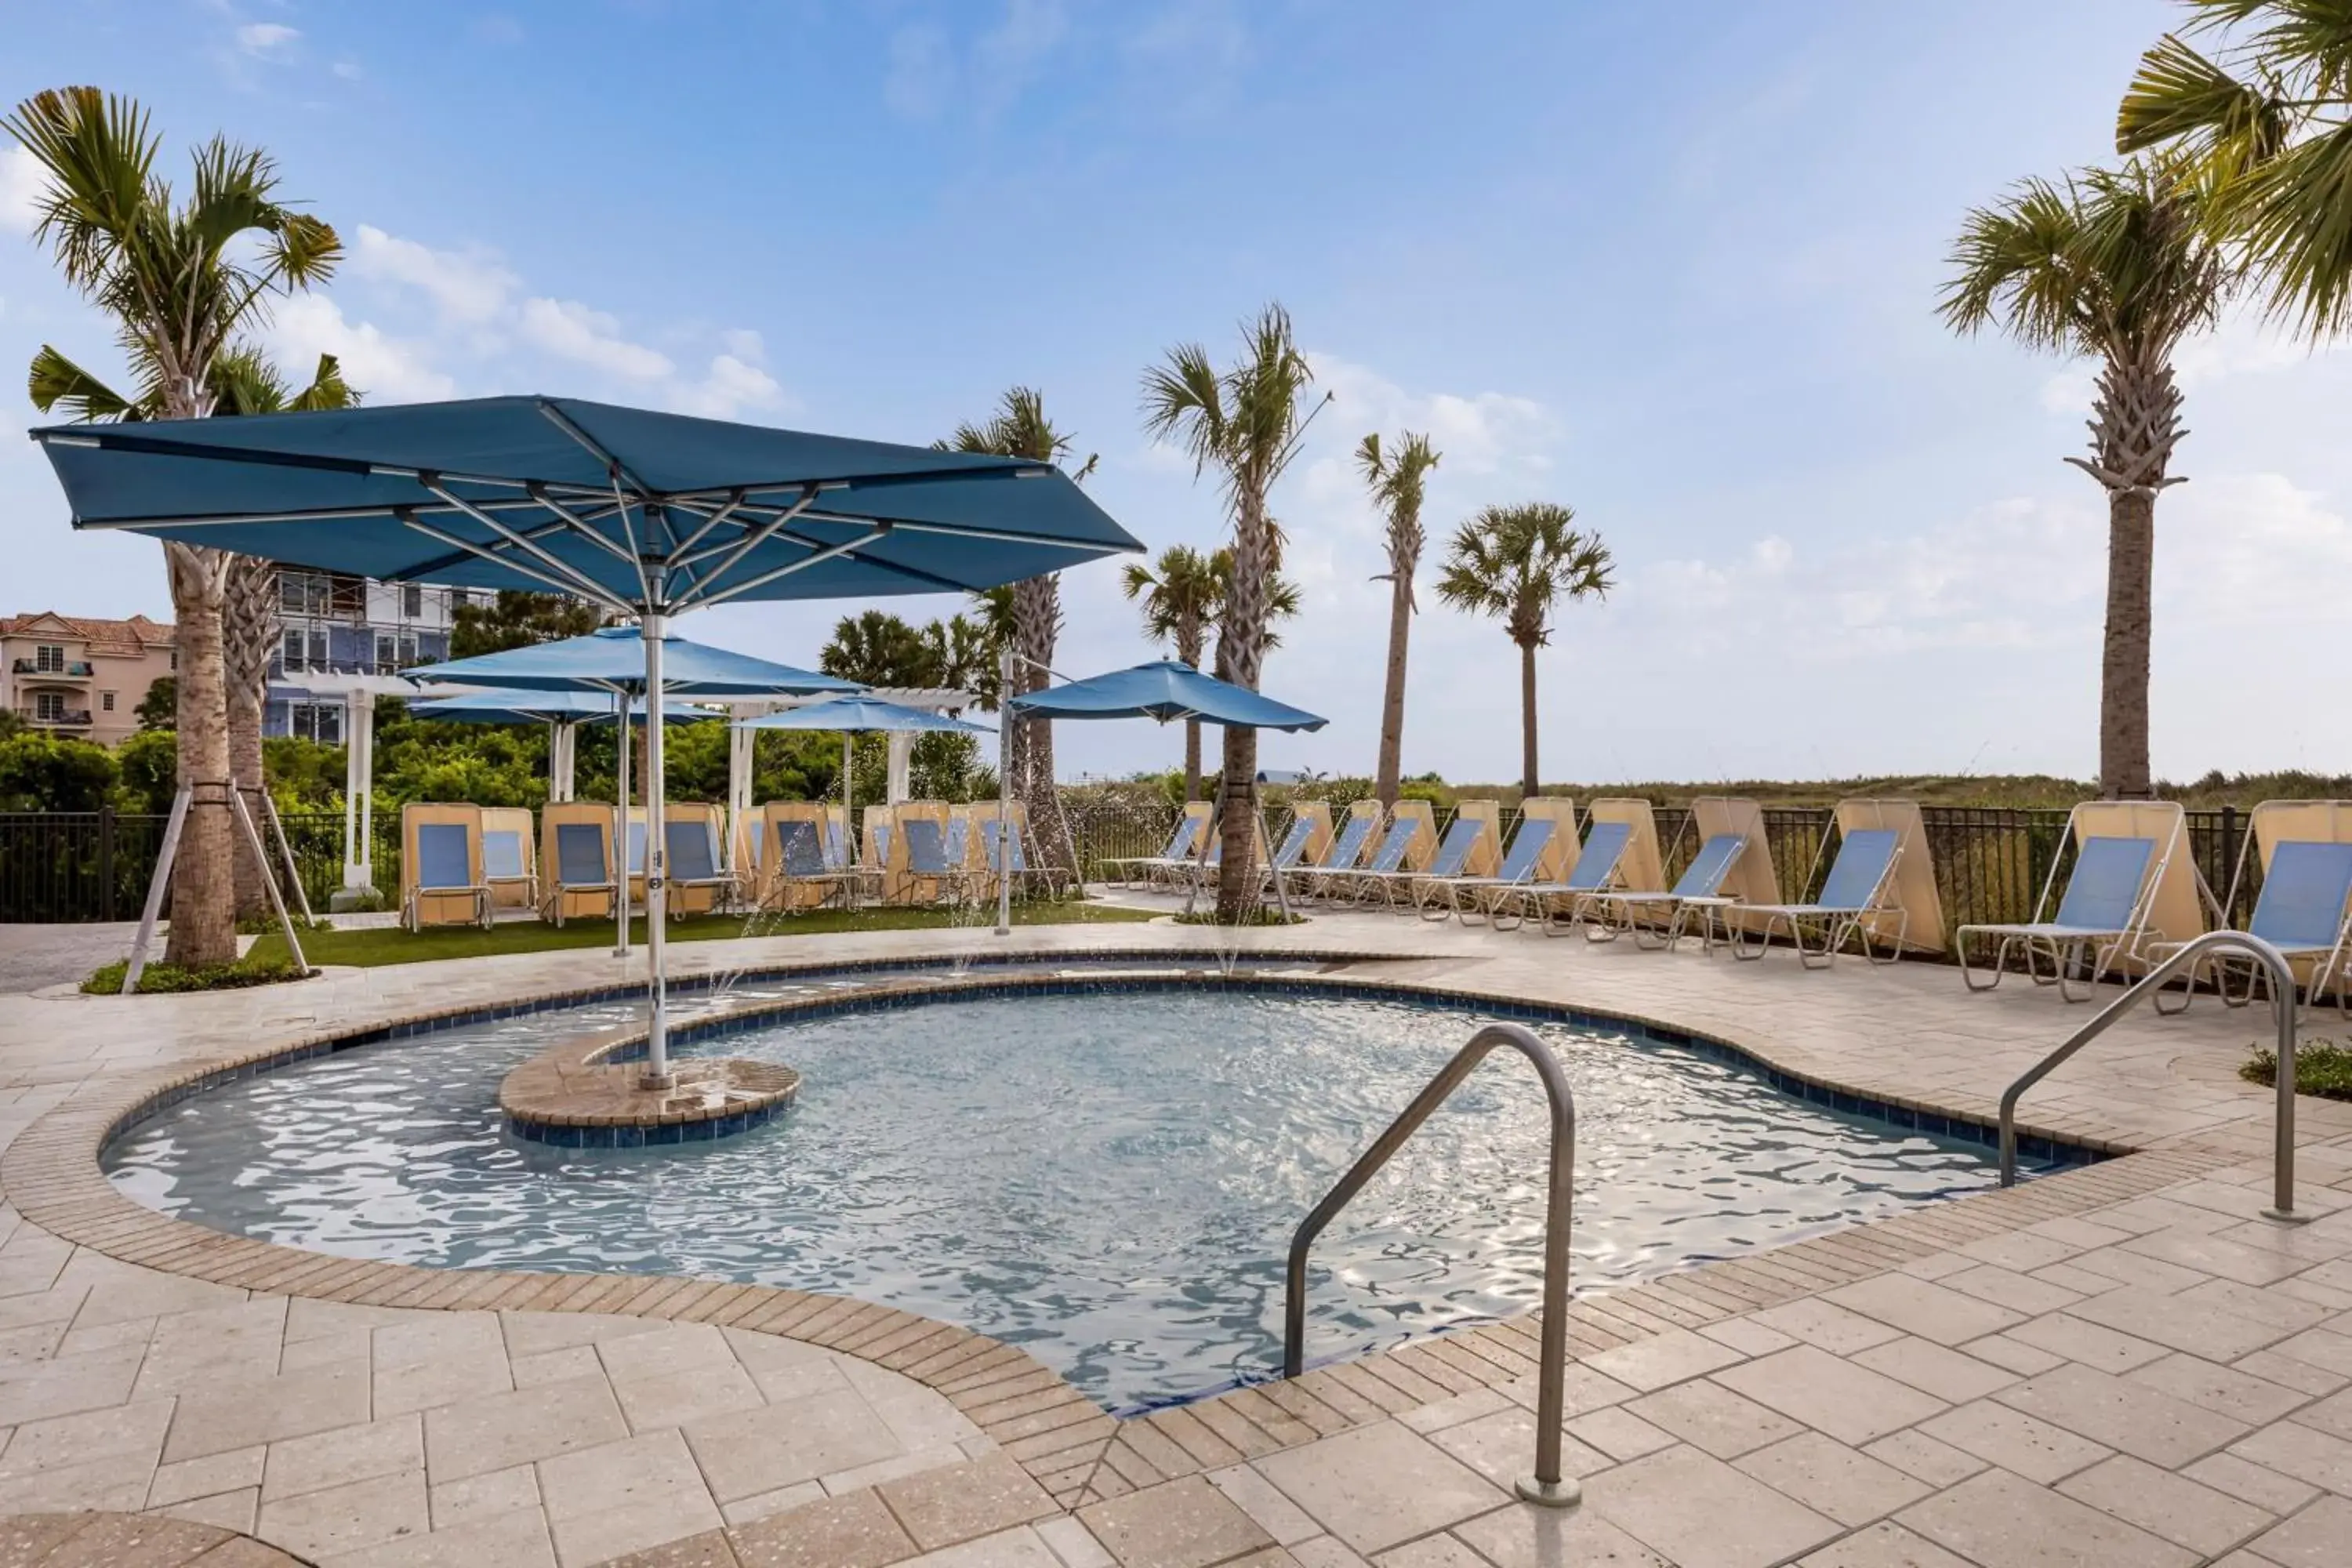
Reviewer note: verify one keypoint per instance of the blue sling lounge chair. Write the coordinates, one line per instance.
(1858, 891)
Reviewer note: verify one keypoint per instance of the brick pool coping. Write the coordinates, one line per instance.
(1075, 1451)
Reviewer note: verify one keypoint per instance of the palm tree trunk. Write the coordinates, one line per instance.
(1527, 785)
(1241, 655)
(1191, 760)
(249, 622)
(1384, 783)
(2124, 664)
(204, 906)
(1036, 628)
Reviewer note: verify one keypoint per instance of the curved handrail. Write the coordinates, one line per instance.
(2282, 976)
(1548, 1486)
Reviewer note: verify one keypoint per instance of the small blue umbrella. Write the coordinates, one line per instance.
(536, 707)
(1166, 690)
(860, 714)
(612, 659)
(645, 514)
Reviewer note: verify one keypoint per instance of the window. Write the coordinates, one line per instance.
(458, 600)
(329, 724)
(412, 600)
(49, 658)
(387, 656)
(50, 707)
(294, 645)
(106, 701)
(304, 593)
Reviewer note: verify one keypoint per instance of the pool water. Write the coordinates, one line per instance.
(1108, 1179)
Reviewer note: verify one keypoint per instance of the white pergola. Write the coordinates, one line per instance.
(739, 740)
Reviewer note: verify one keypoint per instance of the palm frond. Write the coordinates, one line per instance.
(2179, 94)
(327, 389)
(1184, 399)
(58, 385)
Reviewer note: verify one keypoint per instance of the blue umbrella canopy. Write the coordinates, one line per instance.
(539, 708)
(632, 510)
(613, 658)
(1165, 689)
(861, 714)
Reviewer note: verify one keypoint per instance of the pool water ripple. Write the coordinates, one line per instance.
(1108, 1179)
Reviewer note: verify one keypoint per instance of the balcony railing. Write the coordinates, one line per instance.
(56, 718)
(72, 669)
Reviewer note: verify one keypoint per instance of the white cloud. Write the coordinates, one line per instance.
(570, 330)
(746, 345)
(466, 287)
(349, 70)
(1483, 433)
(730, 388)
(383, 368)
(21, 183)
(266, 41)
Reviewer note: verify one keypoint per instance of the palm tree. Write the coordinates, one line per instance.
(242, 381)
(182, 279)
(2264, 118)
(2119, 265)
(1398, 481)
(1019, 428)
(1182, 593)
(1247, 423)
(1517, 562)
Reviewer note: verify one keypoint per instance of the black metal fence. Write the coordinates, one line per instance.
(68, 865)
(1991, 862)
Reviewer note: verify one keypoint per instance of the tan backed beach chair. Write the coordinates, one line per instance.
(923, 870)
(510, 856)
(1641, 869)
(1350, 842)
(575, 860)
(2303, 909)
(1185, 847)
(441, 866)
(1880, 891)
(698, 884)
(1541, 850)
(2126, 855)
(798, 874)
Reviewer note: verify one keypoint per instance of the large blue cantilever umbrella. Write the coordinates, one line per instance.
(645, 514)
(1167, 690)
(858, 716)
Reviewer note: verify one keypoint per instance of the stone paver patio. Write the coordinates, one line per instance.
(2119, 1364)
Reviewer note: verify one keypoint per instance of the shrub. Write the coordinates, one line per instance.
(2322, 1067)
(161, 978)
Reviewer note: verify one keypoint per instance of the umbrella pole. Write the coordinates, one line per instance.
(1003, 794)
(657, 1073)
(621, 826)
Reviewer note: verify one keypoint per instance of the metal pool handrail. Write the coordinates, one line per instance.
(1546, 1485)
(2282, 999)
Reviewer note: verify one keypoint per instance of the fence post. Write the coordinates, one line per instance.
(106, 862)
(2229, 858)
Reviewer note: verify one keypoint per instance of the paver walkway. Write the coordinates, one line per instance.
(2120, 1365)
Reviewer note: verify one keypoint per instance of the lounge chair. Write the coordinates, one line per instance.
(441, 866)
(1183, 845)
(931, 874)
(1595, 872)
(1855, 894)
(577, 862)
(697, 885)
(1662, 920)
(1346, 847)
(1453, 855)
(1026, 872)
(2099, 920)
(510, 858)
(2304, 907)
(1386, 862)
(803, 877)
(1519, 867)
(1291, 851)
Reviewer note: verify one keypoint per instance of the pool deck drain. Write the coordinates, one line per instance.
(2120, 1364)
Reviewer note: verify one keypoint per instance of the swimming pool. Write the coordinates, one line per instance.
(1107, 1178)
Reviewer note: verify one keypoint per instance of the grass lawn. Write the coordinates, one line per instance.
(390, 944)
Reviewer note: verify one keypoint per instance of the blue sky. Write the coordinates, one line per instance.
(1673, 265)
